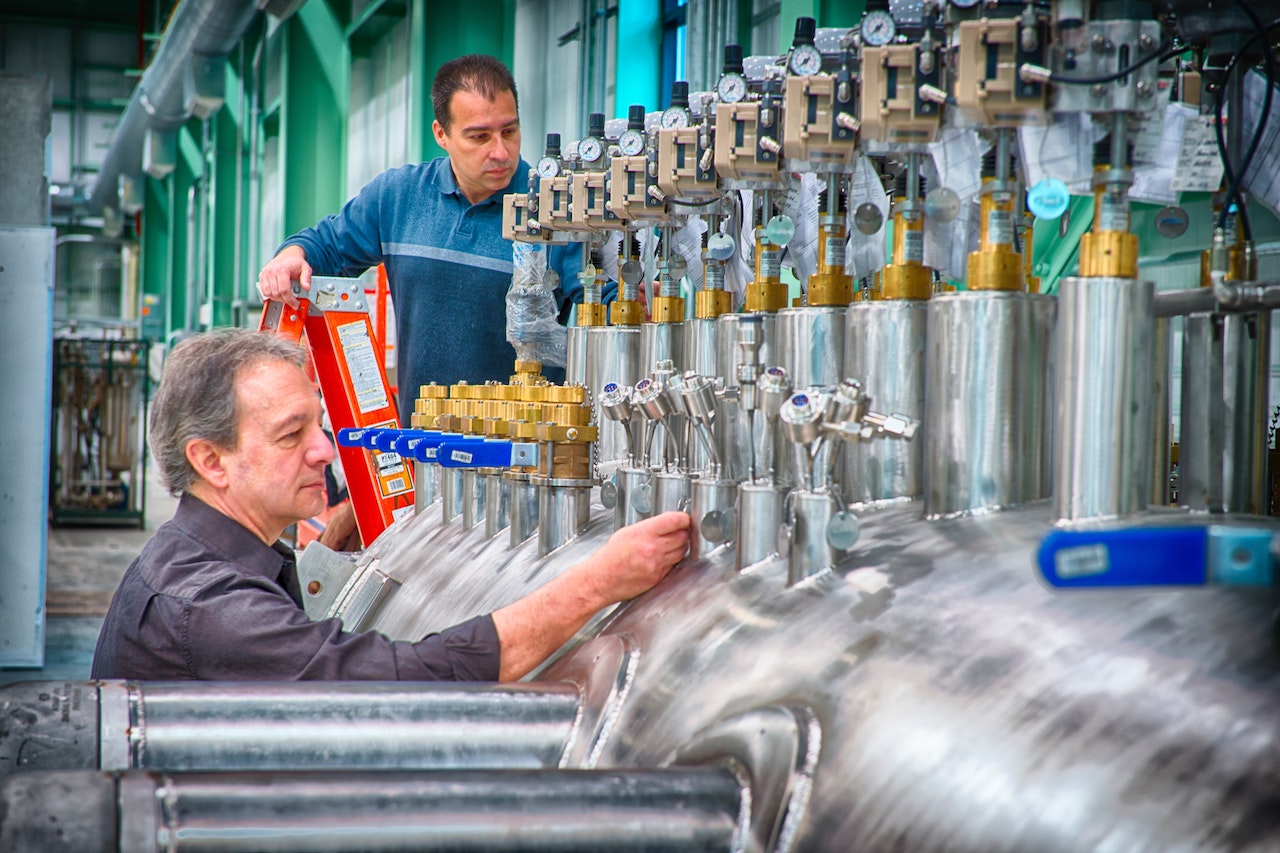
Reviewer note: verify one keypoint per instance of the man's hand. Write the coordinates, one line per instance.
(275, 280)
(630, 563)
(340, 533)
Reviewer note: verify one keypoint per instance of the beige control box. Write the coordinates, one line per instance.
(686, 165)
(988, 89)
(820, 125)
(748, 145)
(633, 192)
(895, 106)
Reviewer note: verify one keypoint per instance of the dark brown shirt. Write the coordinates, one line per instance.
(206, 599)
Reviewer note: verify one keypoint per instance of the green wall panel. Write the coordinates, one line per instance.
(639, 69)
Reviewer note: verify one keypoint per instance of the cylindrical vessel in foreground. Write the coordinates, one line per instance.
(613, 355)
(634, 496)
(1105, 398)
(809, 551)
(661, 342)
(1161, 450)
(473, 502)
(575, 365)
(759, 519)
(307, 725)
(678, 809)
(426, 485)
(497, 502)
(670, 491)
(884, 350)
(450, 493)
(707, 496)
(986, 381)
(811, 344)
(564, 506)
(702, 345)
(524, 508)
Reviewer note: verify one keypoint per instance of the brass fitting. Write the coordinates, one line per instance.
(995, 266)
(592, 314)
(565, 460)
(1109, 253)
(627, 313)
(668, 309)
(710, 304)
(906, 281)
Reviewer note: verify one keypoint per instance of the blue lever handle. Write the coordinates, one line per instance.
(474, 453)
(360, 436)
(409, 438)
(1157, 556)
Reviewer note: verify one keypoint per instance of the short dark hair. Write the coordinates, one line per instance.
(197, 395)
(476, 72)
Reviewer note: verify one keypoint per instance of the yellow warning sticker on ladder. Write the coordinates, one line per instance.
(362, 364)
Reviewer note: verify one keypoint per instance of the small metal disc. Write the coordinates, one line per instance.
(1049, 198)
(720, 246)
(1172, 221)
(941, 204)
(608, 494)
(632, 271)
(642, 499)
(843, 530)
(868, 218)
(780, 230)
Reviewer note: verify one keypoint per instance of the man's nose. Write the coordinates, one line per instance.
(322, 452)
(499, 149)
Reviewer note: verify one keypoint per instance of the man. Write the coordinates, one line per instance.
(235, 431)
(438, 228)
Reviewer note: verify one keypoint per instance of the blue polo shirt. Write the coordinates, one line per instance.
(448, 269)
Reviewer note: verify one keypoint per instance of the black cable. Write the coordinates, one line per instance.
(1166, 53)
(1233, 192)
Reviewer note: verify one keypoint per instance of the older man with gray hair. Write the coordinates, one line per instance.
(235, 430)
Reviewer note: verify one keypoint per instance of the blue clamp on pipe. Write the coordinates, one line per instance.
(486, 454)
(408, 439)
(1158, 556)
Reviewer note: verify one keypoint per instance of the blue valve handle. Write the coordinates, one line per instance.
(1157, 556)
(409, 438)
(360, 436)
(474, 453)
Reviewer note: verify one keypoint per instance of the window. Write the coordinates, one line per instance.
(675, 31)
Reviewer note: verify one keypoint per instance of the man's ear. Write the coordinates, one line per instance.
(438, 130)
(206, 458)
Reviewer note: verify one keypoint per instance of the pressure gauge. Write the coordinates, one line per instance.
(965, 4)
(589, 149)
(806, 60)
(631, 143)
(878, 28)
(732, 88)
(548, 167)
(674, 118)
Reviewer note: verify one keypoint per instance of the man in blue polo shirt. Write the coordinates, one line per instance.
(438, 228)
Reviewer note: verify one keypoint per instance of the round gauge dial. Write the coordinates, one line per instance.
(965, 4)
(878, 28)
(732, 88)
(631, 143)
(675, 117)
(806, 60)
(548, 167)
(589, 149)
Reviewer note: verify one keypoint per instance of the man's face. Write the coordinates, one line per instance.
(483, 142)
(276, 476)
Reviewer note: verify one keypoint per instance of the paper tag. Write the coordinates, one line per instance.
(1199, 166)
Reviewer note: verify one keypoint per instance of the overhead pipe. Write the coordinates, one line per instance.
(198, 29)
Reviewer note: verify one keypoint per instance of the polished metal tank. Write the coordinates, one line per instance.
(811, 344)
(884, 350)
(931, 670)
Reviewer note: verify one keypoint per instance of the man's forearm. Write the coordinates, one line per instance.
(530, 629)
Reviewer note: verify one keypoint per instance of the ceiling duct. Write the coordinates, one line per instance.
(172, 88)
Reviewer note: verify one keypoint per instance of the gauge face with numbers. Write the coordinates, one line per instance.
(675, 117)
(548, 167)
(631, 142)
(806, 60)
(731, 88)
(878, 28)
(589, 149)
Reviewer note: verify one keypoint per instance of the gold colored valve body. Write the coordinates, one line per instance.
(830, 285)
(668, 309)
(907, 277)
(593, 314)
(627, 313)
(995, 266)
(710, 304)
(767, 292)
(1109, 249)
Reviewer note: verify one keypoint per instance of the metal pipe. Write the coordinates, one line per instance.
(473, 500)
(564, 507)
(708, 496)
(759, 519)
(809, 552)
(676, 809)
(524, 508)
(123, 725)
(426, 484)
(450, 493)
(198, 28)
(497, 503)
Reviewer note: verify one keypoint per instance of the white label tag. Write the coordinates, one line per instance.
(362, 364)
(1199, 166)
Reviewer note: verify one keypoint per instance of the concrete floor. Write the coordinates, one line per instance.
(84, 565)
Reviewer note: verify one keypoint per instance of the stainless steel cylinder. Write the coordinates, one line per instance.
(661, 341)
(473, 503)
(729, 354)
(675, 809)
(986, 380)
(635, 498)
(1222, 456)
(707, 496)
(1105, 399)
(426, 485)
(809, 552)
(759, 521)
(702, 346)
(497, 503)
(576, 356)
(811, 344)
(1161, 450)
(564, 506)
(450, 493)
(613, 355)
(884, 350)
(122, 725)
(670, 491)
(524, 508)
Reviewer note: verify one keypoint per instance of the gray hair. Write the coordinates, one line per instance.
(197, 395)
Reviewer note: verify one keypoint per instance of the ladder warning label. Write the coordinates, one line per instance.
(389, 469)
(362, 363)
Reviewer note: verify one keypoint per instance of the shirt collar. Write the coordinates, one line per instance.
(448, 184)
(230, 539)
